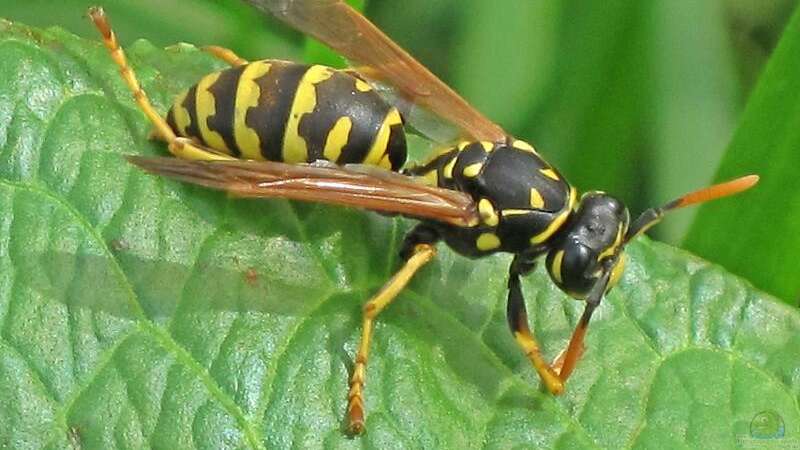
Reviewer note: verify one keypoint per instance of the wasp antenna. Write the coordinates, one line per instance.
(652, 216)
(713, 192)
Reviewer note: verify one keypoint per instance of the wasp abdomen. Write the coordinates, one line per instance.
(283, 111)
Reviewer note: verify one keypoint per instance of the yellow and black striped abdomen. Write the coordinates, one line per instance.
(283, 111)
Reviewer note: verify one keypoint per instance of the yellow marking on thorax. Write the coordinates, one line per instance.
(430, 178)
(447, 171)
(379, 146)
(295, 149)
(537, 202)
(206, 107)
(472, 170)
(181, 115)
(248, 93)
(487, 146)
(557, 222)
(555, 268)
(462, 145)
(514, 212)
(549, 173)
(487, 241)
(487, 212)
(337, 138)
(522, 145)
(362, 86)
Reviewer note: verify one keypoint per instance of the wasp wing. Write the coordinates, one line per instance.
(348, 32)
(322, 182)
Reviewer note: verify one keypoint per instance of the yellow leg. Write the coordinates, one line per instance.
(518, 322)
(178, 146)
(225, 54)
(556, 375)
(421, 255)
(552, 381)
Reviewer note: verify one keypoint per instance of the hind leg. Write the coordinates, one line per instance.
(179, 146)
(225, 54)
(418, 250)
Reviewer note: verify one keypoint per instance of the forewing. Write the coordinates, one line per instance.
(356, 186)
(380, 59)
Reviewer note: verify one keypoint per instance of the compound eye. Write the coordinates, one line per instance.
(572, 268)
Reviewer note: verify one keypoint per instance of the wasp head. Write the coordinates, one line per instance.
(590, 245)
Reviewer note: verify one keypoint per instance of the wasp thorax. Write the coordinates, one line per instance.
(589, 245)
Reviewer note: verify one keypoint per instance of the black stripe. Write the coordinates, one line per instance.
(191, 107)
(224, 92)
(268, 119)
(397, 146)
(171, 121)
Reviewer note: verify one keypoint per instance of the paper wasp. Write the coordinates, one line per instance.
(308, 132)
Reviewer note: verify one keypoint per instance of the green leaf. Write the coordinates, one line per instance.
(756, 236)
(138, 312)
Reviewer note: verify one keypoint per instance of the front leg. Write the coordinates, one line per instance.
(418, 249)
(518, 322)
(569, 357)
(554, 376)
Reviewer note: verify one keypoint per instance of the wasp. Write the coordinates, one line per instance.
(275, 128)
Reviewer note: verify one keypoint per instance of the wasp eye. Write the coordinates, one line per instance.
(573, 267)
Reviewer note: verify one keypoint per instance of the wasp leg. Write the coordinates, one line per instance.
(418, 250)
(569, 357)
(225, 54)
(518, 322)
(178, 146)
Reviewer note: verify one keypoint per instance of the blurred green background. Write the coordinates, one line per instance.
(636, 98)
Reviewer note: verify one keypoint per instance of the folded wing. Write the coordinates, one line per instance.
(353, 185)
